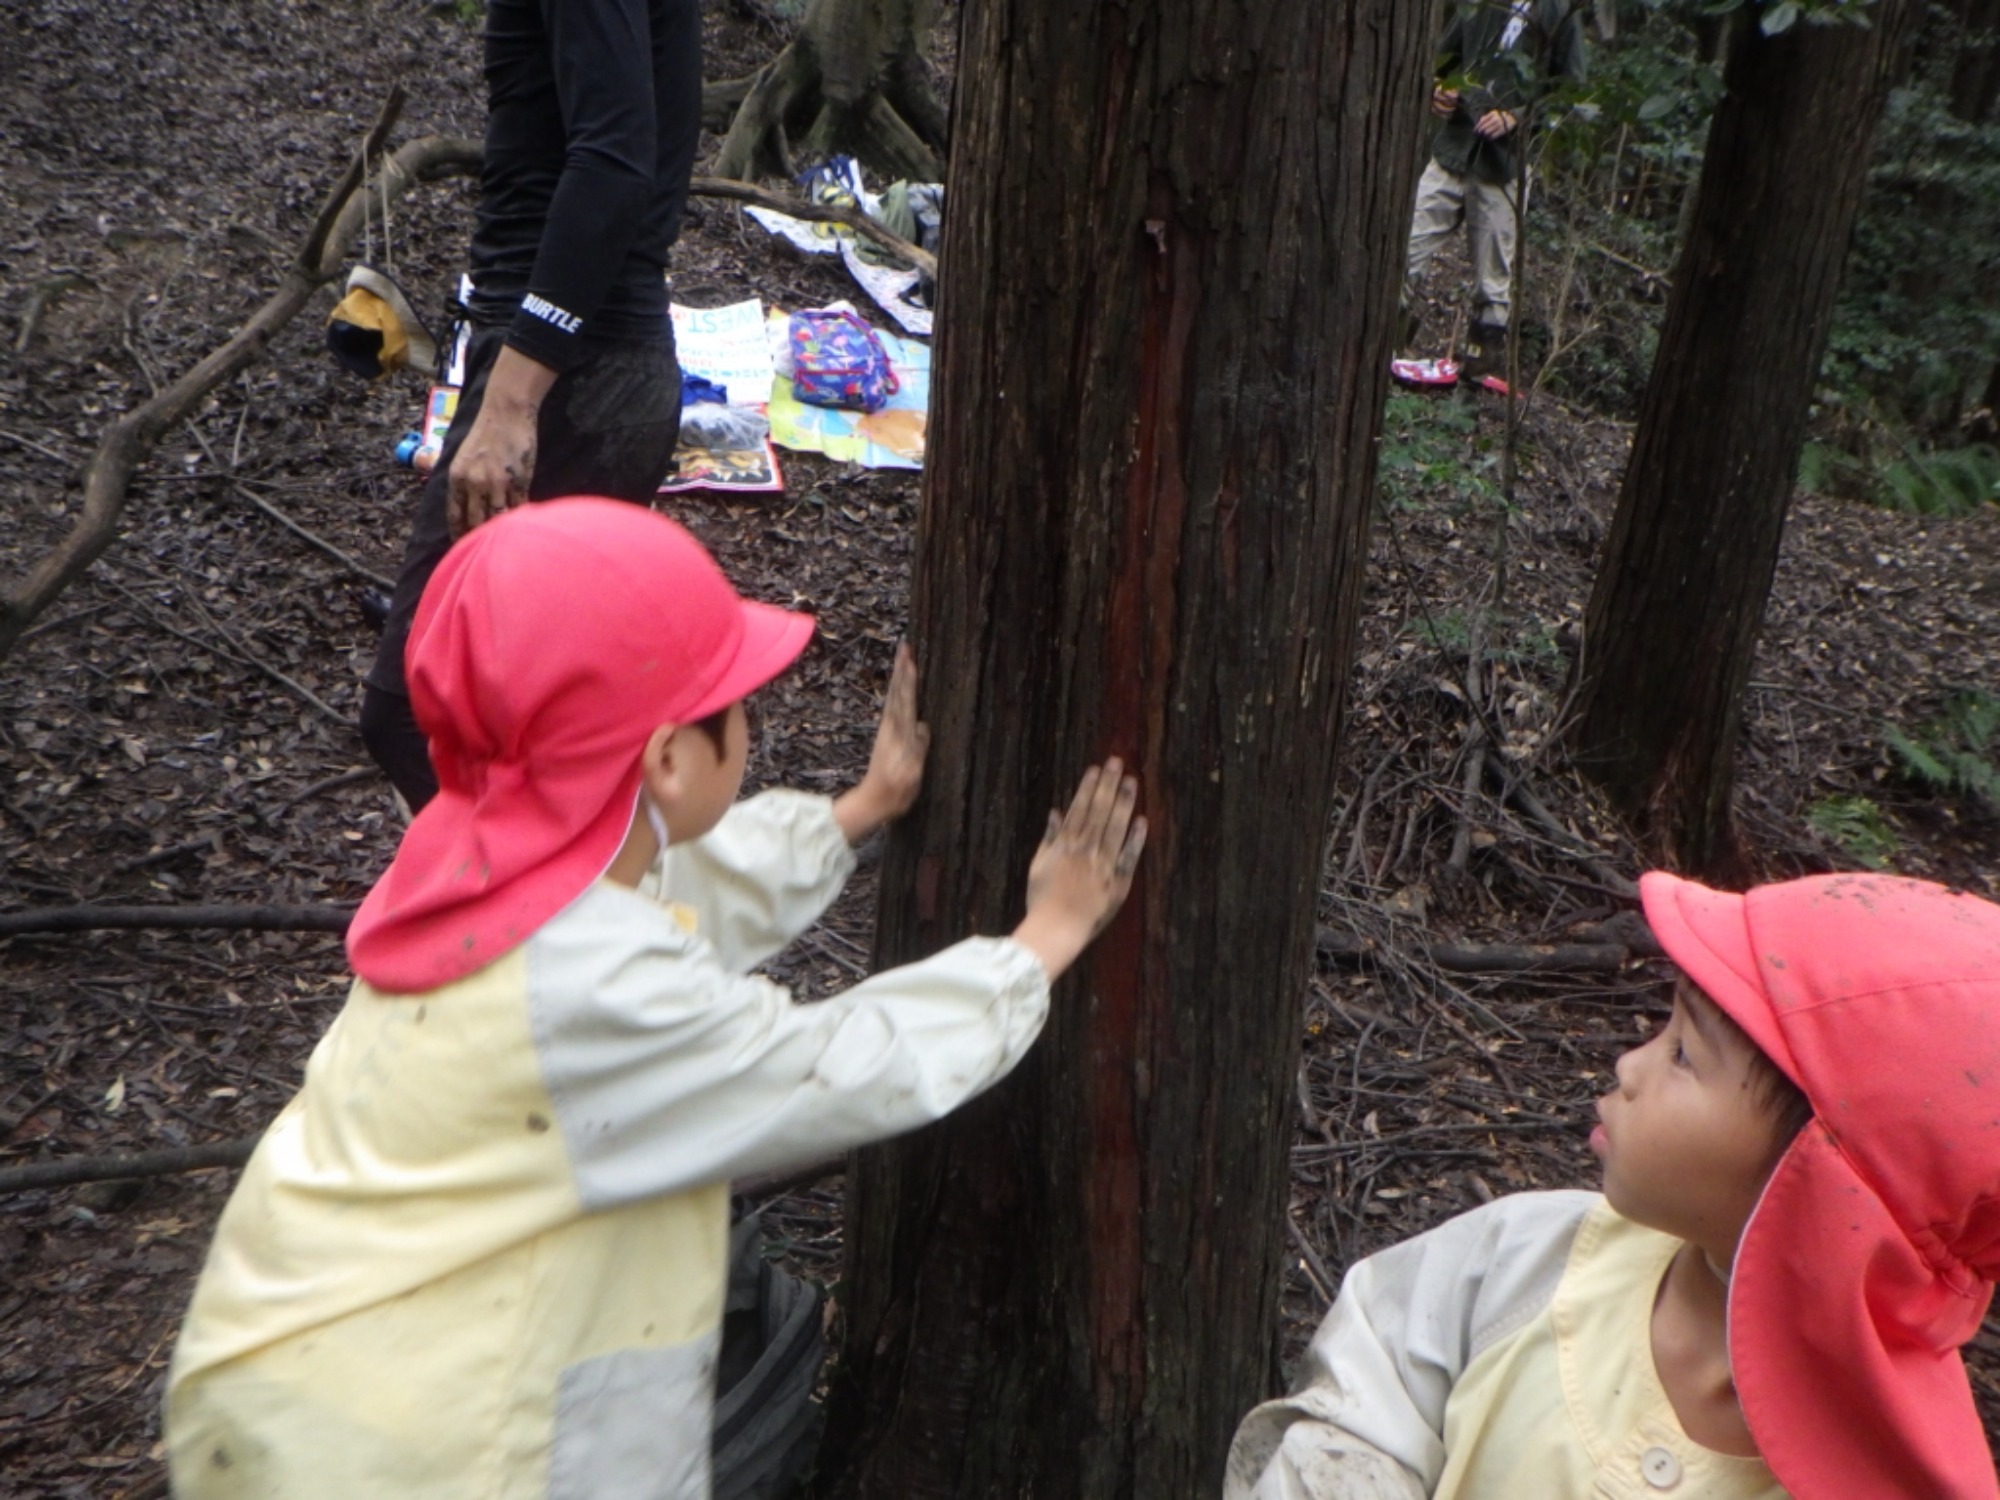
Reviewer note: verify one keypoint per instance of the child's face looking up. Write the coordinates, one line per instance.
(1686, 1138)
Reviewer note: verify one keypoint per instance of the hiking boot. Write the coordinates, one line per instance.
(1485, 352)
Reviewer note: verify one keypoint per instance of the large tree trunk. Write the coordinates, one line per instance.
(1173, 241)
(1674, 616)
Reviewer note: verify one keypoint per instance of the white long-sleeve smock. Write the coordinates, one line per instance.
(482, 1252)
(1506, 1354)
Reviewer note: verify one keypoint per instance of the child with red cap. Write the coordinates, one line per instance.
(481, 1252)
(1800, 1226)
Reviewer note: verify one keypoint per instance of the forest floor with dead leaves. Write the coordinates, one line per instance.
(178, 727)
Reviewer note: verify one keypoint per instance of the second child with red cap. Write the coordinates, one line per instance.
(482, 1251)
(1799, 1229)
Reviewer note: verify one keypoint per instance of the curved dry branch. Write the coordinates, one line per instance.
(799, 208)
(128, 441)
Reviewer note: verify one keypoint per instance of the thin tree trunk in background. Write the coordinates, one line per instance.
(1169, 283)
(1975, 76)
(1673, 618)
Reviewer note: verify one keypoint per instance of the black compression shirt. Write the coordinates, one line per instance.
(594, 109)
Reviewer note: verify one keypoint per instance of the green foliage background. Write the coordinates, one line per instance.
(1905, 415)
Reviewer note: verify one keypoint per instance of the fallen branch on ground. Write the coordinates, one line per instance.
(164, 1163)
(313, 539)
(132, 918)
(1493, 958)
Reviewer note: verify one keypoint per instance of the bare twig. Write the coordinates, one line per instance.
(42, 448)
(313, 539)
(40, 301)
(778, 1184)
(1513, 789)
(1473, 753)
(227, 645)
(210, 843)
(327, 784)
(237, 486)
(1660, 278)
(1322, 1279)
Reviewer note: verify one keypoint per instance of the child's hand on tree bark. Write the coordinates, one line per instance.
(1083, 870)
(895, 771)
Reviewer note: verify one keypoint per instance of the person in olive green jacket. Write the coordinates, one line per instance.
(1497, 60)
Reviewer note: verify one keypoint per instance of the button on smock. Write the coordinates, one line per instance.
(1661, 1468)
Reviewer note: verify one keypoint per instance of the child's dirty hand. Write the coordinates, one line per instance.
(895, 771)
(1083, 870)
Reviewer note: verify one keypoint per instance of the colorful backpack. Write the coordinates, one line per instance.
(838, 361)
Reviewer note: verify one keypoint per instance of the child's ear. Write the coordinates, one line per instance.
(659, 774)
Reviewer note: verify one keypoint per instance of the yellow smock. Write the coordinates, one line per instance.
(1506, 1354)
(481, 1253)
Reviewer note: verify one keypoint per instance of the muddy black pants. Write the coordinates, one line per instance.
(607, 427)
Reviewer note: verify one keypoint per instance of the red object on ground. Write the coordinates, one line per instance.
(1430, 373)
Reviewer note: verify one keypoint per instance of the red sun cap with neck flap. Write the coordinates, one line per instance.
(1872, 1254)
(549, 644)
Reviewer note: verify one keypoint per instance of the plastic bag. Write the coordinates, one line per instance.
(723, 428)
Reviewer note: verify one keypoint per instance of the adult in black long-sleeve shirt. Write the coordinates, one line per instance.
(571, 387)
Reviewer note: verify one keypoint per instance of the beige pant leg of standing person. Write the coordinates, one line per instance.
(1441, 208)
(1491, 224)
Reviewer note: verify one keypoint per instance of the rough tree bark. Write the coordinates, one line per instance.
(1172, 250)
(1673, 618)
(852, 80)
